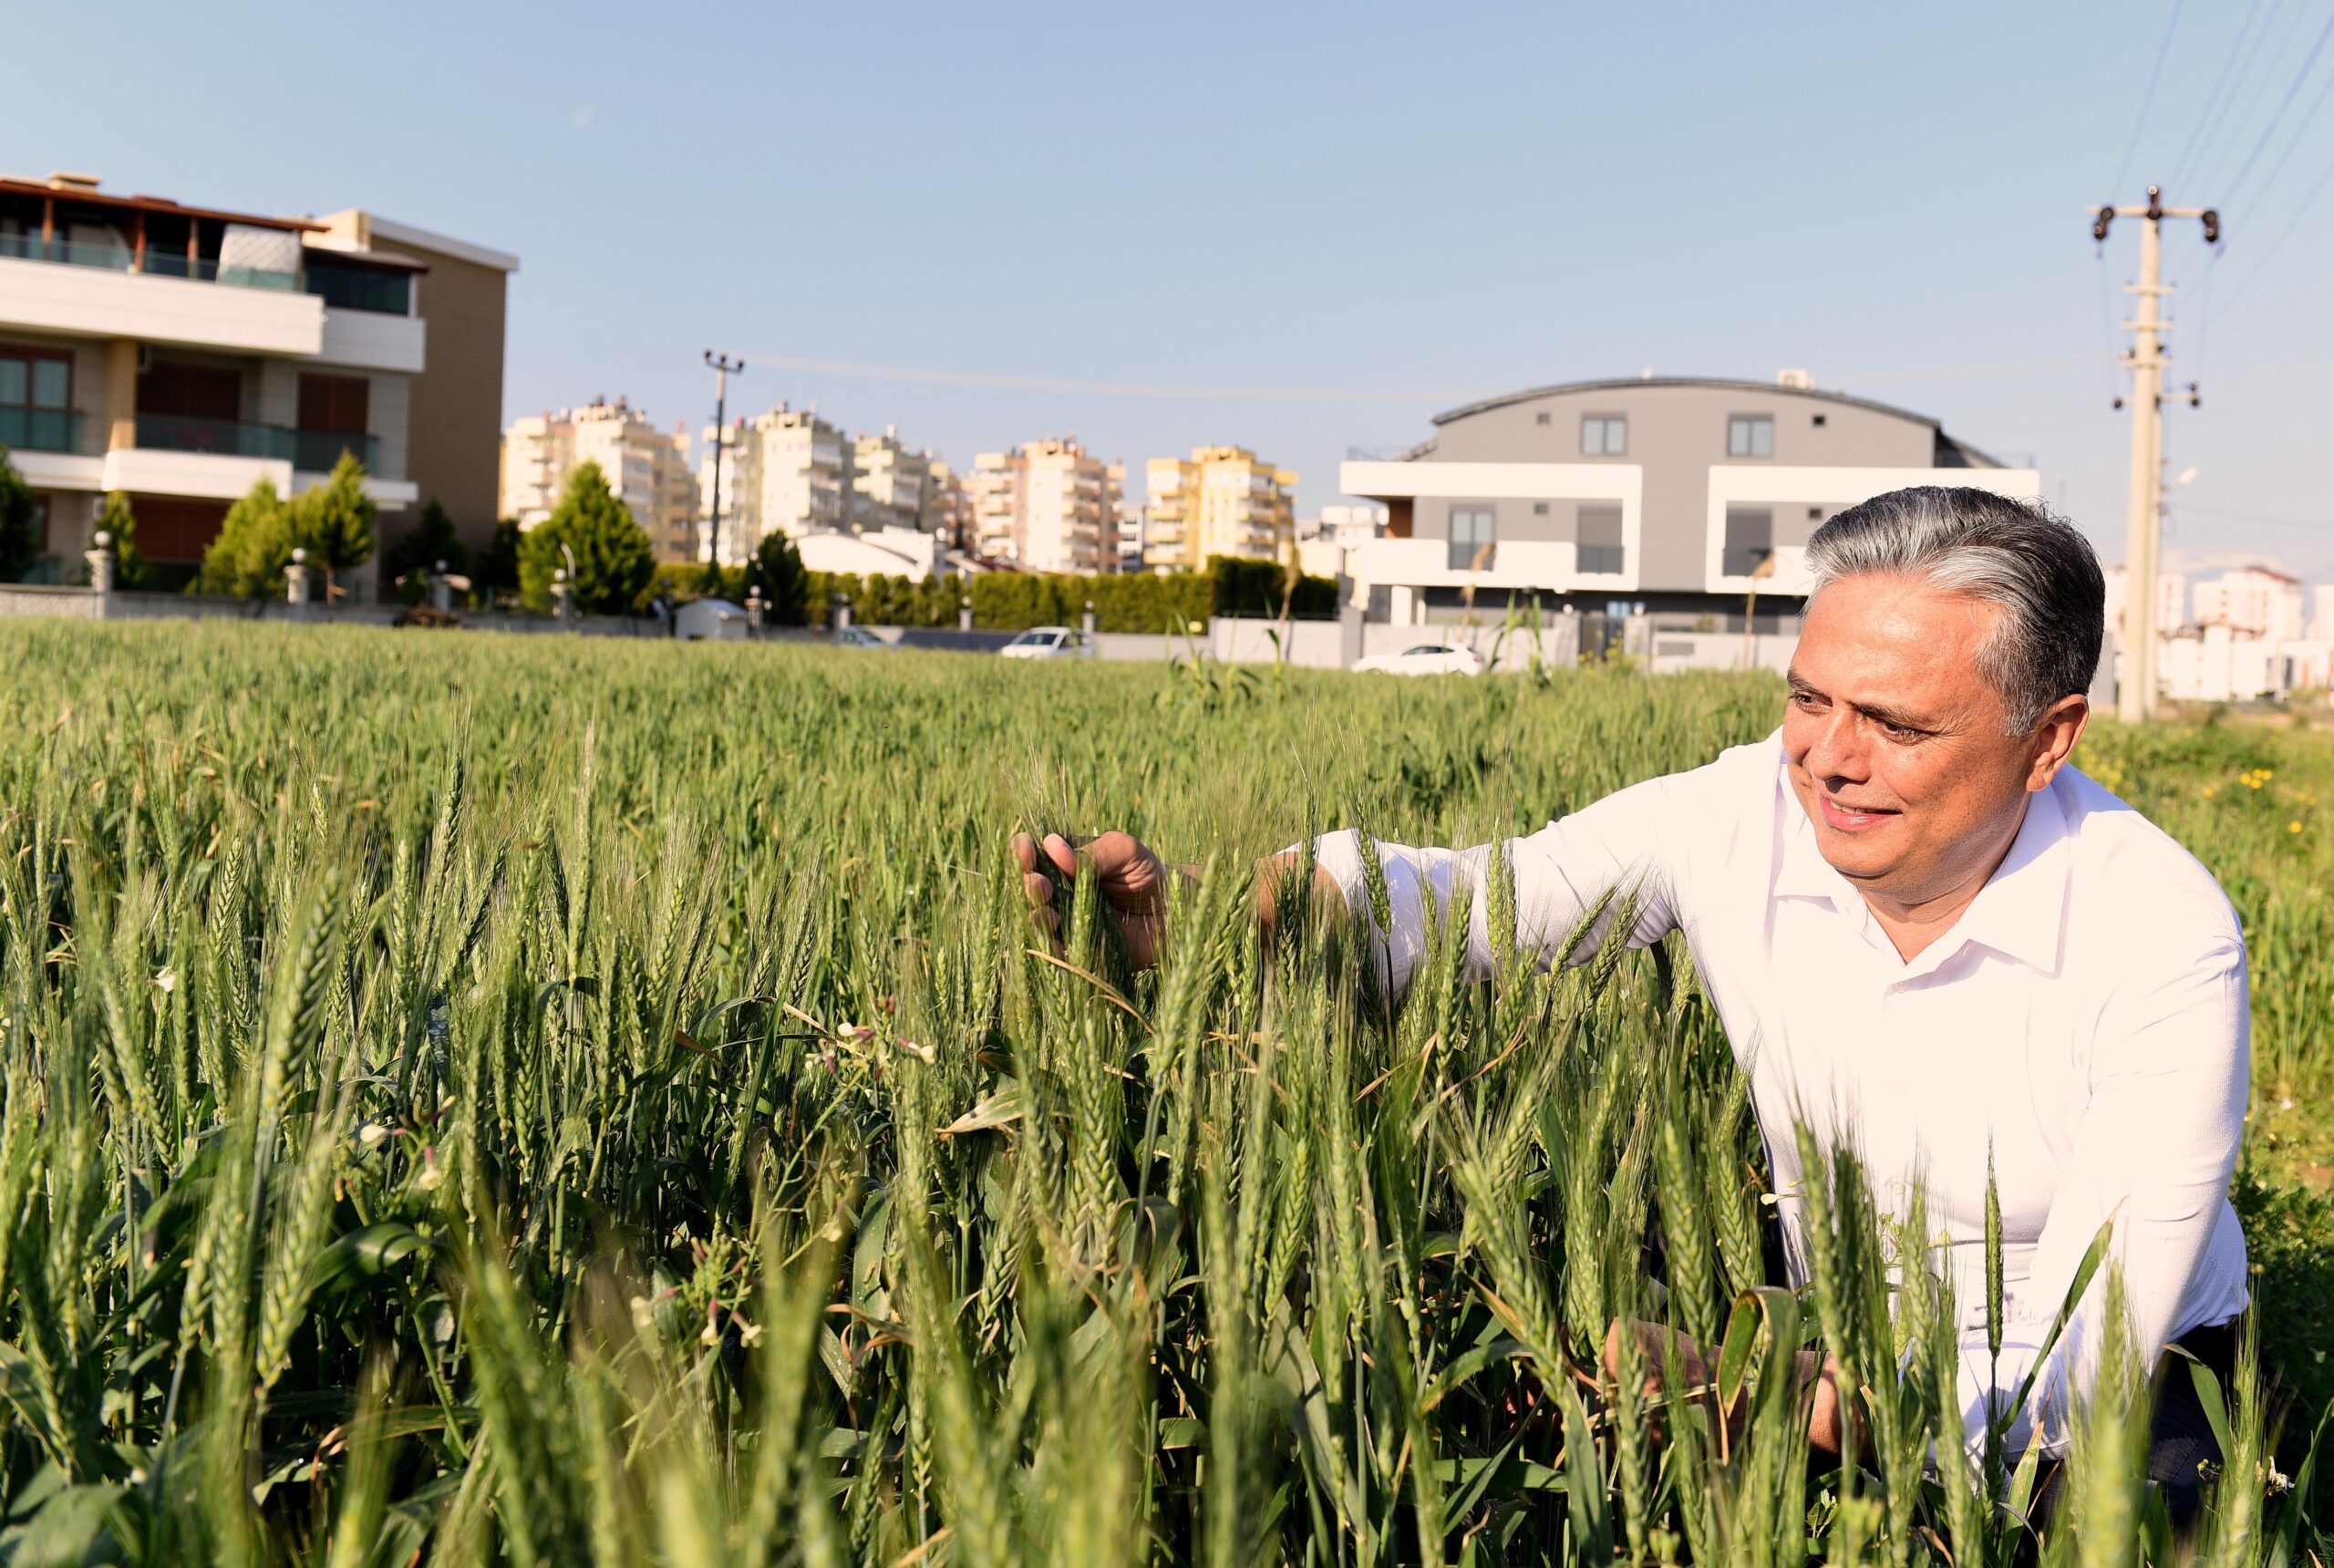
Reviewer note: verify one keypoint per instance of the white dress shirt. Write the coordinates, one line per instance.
(2086, 1018)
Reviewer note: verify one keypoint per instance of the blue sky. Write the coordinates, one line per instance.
(1303, 227)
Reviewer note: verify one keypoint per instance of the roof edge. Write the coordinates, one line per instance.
(376, 228)
(1720, 382)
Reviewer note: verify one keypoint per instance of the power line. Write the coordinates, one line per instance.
(2235, 106)
(2237, 181)
(2213, 98)
(2140, 121)
(2301, 209)
(2269, 182)
(2255, 516)
(1107, 388)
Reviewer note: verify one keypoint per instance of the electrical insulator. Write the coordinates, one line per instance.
(2212, 226)
(2098, 224)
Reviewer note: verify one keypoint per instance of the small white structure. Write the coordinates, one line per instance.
(710, 621)
(899, 551)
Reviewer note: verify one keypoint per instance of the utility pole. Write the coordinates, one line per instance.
(2143, 547)
(722, 366)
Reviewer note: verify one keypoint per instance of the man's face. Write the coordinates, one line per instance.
(1896, 739)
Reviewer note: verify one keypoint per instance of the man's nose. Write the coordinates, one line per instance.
(1839, 752)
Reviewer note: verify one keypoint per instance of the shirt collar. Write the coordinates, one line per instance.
(1803, 871)
(2020, 912)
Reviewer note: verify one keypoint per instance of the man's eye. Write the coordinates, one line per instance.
(1899, 731)
(1805, 698)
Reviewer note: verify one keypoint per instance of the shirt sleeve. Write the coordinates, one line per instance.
(1628, 842)
(2155, 1152)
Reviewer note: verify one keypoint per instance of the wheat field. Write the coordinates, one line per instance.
(555, 1102)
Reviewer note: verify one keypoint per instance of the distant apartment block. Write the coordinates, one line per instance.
(2255, 599)
(2170, 599)
(1665, 494)
(787, 471)
(1132, 531)
(893, 485)
(181, 354)
(1221, 500)
(646, 468)
(1324, 538)
(1047, 506)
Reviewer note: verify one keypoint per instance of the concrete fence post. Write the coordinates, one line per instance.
(296, 579)
(842, 612)
(1086, 621)
(754, 611)
(561, 596)
(101, 558)
(441, 591)
(964, 614)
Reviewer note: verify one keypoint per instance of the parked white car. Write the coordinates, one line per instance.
(1426, 659)
(1048, 643)
(861, 637)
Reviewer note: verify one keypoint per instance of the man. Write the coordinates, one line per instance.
(1927, 933)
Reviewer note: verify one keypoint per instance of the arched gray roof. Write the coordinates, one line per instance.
(1720, 382)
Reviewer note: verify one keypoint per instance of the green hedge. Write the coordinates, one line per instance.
(1127, 602)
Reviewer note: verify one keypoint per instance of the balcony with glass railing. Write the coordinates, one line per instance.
(23, 428)
(312, 451)
(155, 262)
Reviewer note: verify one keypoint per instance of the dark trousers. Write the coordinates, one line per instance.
(2179, 1436)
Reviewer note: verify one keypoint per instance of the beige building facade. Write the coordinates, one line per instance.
(1221, 500)
(784, 472)
(896, 486)
(647, 469)
(181, 354)
(1049, 506)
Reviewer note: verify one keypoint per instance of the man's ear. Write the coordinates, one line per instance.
(2055, 734)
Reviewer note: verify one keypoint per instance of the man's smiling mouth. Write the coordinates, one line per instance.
(1850, 819)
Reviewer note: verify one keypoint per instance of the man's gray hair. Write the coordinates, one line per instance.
(2036, 568)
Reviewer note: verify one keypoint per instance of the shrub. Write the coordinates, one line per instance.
(613, 564)
(419, 551)
(246, 561)
(20, 540)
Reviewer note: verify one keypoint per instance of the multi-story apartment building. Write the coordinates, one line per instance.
(948, 509)
(1131, 533)
(789, 472)
(1222, 501)
(1049, 506)
(894, 486)
(646, 468)
(2254, 599)
(1322, 541)
(181, 354)
(1671, 494)
(2170, 600)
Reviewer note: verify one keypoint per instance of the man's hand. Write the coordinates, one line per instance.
(1134, 887)
(1699, 1364)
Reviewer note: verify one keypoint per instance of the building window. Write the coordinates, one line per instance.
(1599, 551)
(334, 413)
(1821, 420)
(1471, 538)
(1542, 417)
(37, 400)
(1750, 539)
(1750, 436)
(1538, 509)
(1603, 435)
(353, 286)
